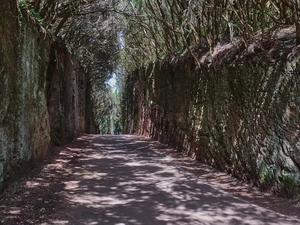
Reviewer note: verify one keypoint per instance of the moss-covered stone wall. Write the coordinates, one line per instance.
(43, 92)
(239, 114)
(66, 92)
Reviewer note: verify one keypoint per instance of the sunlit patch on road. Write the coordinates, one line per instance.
(124, 180)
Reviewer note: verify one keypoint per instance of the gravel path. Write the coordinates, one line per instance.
(118, 180)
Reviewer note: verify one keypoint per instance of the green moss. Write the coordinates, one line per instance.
(287, 184)
(31, 10)
(263, 174)
(290, 184)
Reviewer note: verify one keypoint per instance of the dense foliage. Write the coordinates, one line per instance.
(90, 30)
(153, 29)
(109, 34)
(158, 28)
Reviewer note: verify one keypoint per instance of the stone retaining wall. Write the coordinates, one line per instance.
(239, 114)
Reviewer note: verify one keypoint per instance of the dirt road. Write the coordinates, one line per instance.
(124, 180)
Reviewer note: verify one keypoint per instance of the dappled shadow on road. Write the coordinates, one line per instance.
(36, 195)
(233, 185)
(124, 180)
(128, 180)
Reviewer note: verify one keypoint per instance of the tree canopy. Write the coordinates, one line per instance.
(158, 28)
(154, 29)
(122, 35)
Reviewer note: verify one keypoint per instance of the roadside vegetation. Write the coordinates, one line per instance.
(112, 34)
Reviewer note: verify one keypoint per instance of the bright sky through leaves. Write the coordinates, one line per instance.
(112, 82)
